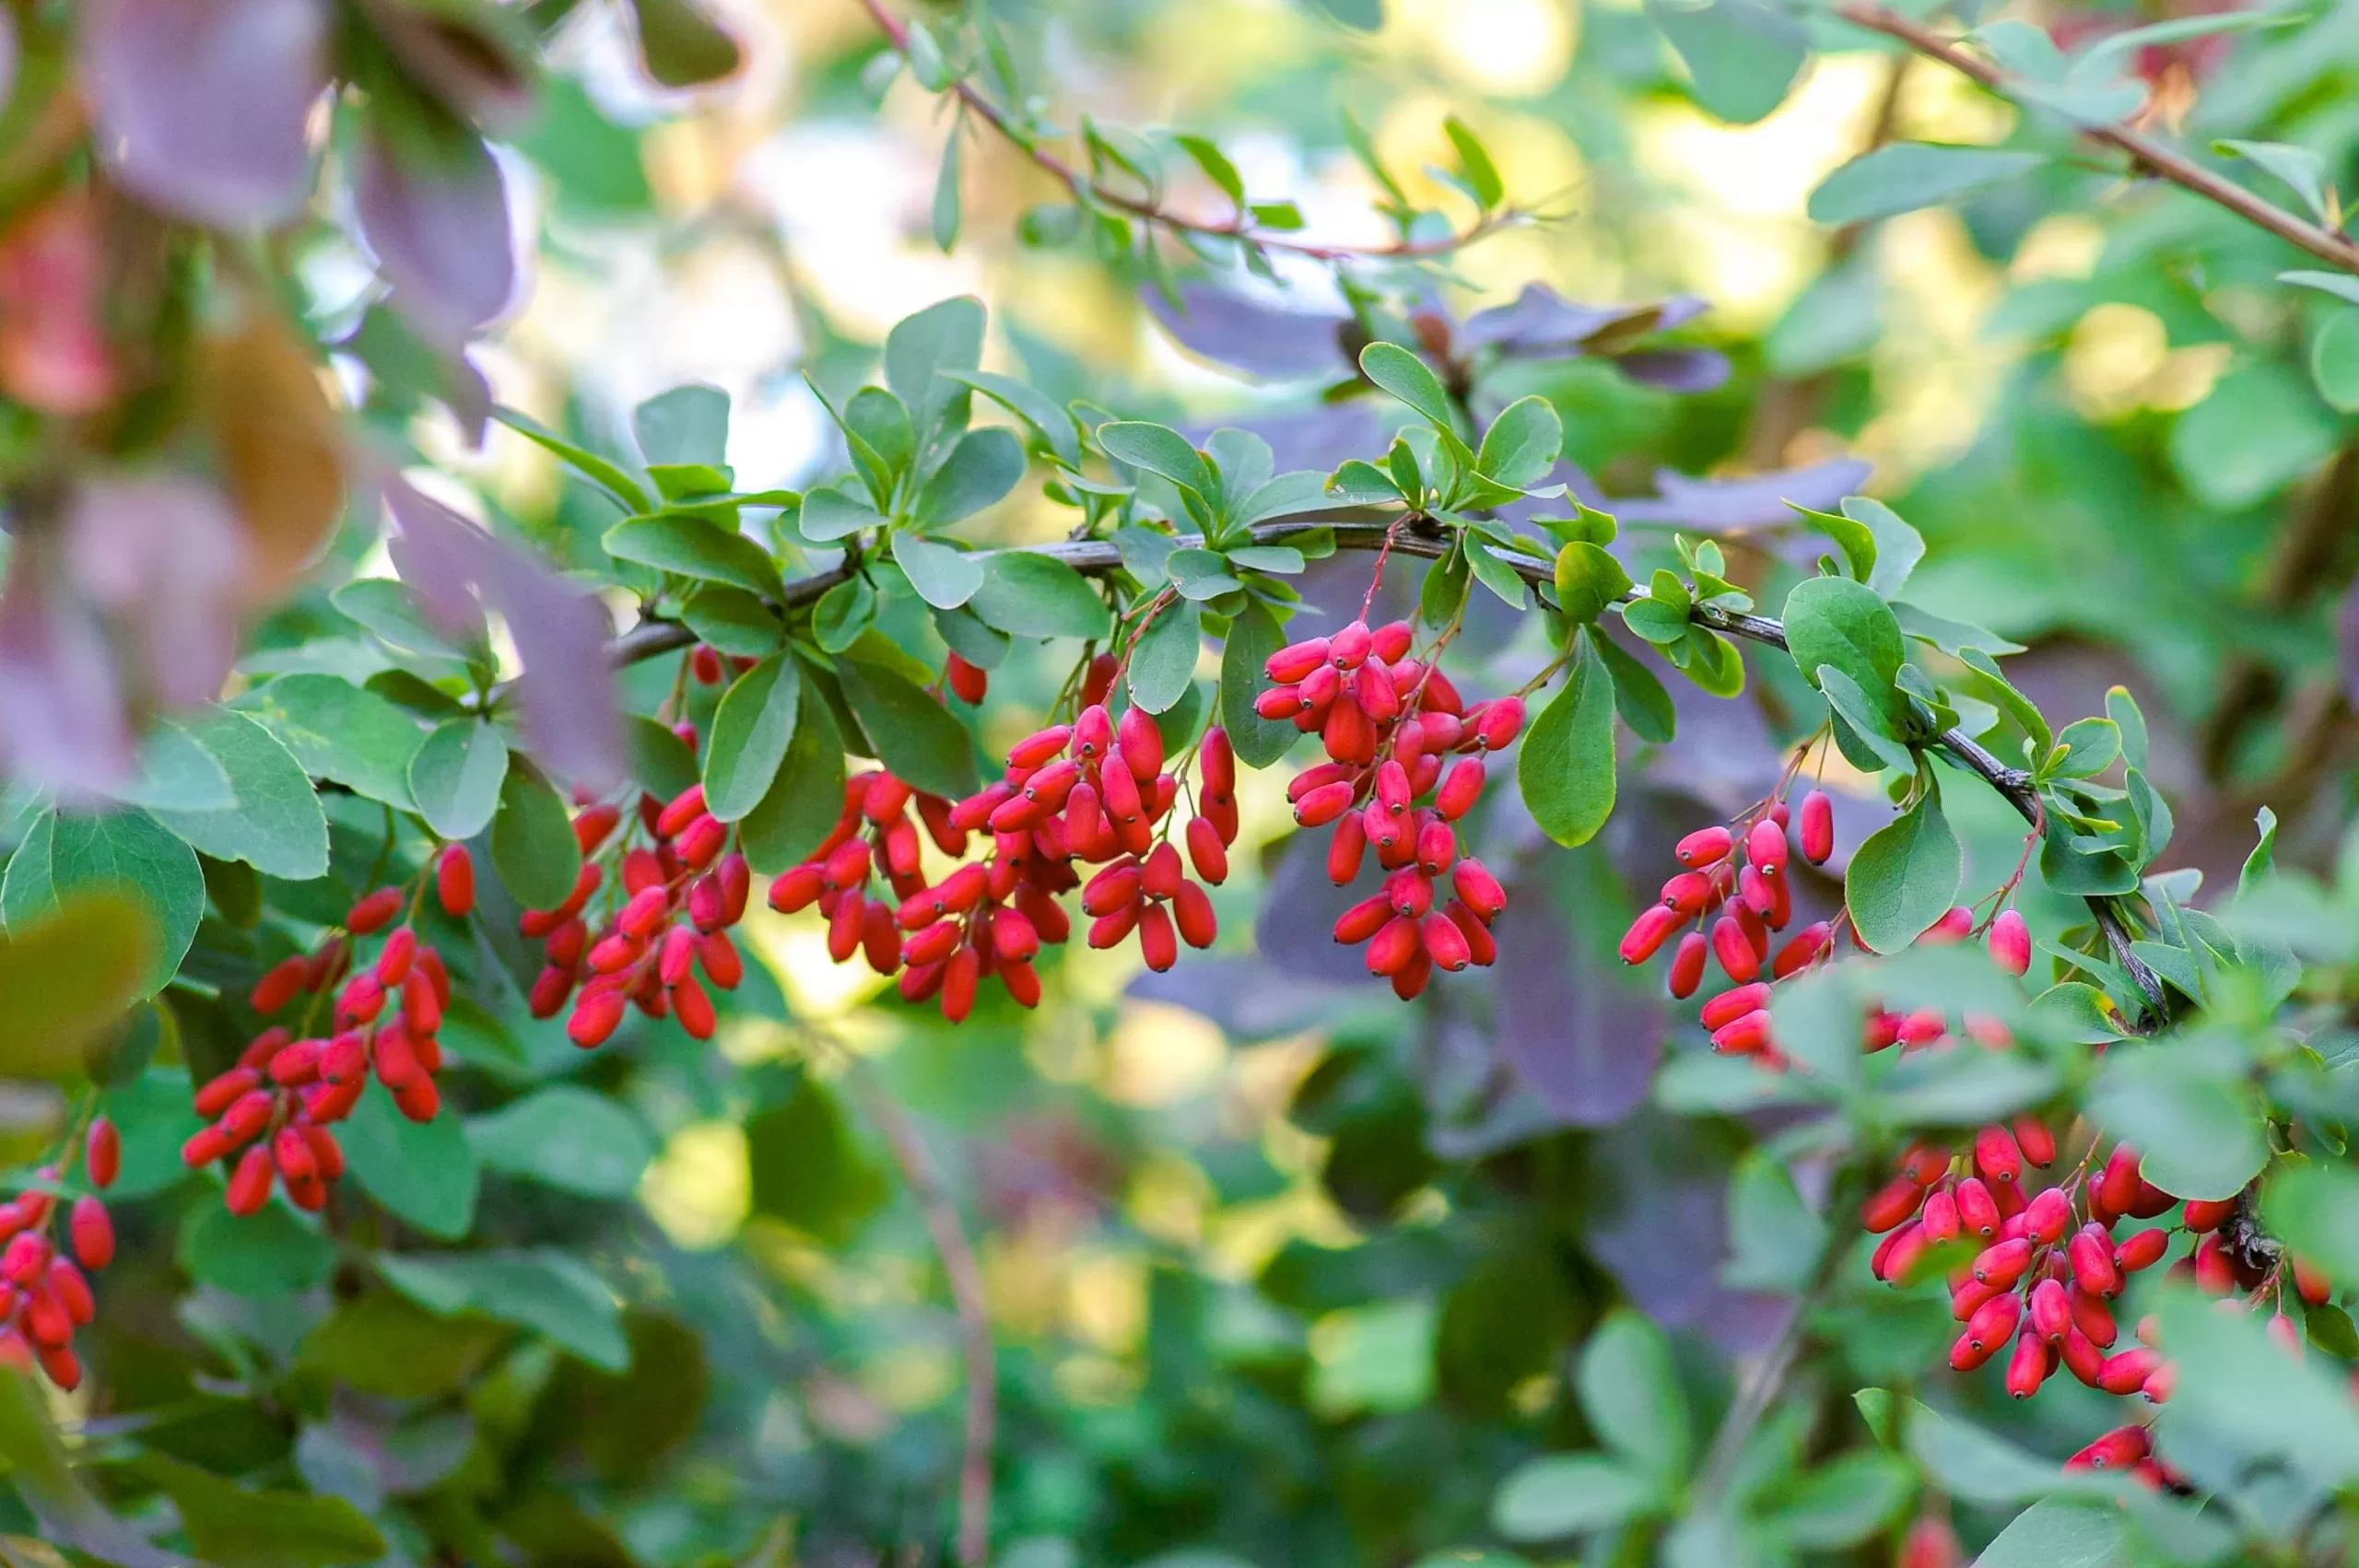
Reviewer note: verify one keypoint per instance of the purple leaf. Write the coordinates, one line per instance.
(61, 724)
(1661, 1225)
(1730, 506)
(1321, 436)
(1259, 339)
(1541, 320)
(439, 230)
(1296, 929)
(165, 559)
(1584, 1037)
(200, 105)
(2346, 642)
(568, 688)
(7, 57)
(1676, 369)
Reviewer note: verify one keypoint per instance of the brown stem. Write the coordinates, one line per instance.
(2145, 153)
(966, 1277)
(1091, 192)
(649, 638)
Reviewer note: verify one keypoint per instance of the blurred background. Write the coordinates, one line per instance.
(1281, 1272)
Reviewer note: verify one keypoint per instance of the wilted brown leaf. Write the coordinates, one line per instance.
(281, 448)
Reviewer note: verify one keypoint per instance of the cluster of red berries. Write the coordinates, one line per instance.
(1095, 792)
(44, 1293)
(289, 1086)
(2047, 1266)
(1736, 879)
(680, 894)
(1389, 724)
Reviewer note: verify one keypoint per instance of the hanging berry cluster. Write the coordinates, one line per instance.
(1734, 896)
(289, 1086)
(44, 1289)
(2050, 1264)
(1389, 724)
(1095, 792)
(680, 895)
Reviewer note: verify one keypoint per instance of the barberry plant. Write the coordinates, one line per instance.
(534, 979)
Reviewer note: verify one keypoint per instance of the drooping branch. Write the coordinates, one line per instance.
(2145, 152)
(650, 639)
(1091, 192)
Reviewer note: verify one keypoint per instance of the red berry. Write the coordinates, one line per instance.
(454, 881)
(2010, 941)
(102, 1152)
(1460, 789)
(2033, 1359)
(967, 680)
(591, 827)
(595, 1018)
(1705, 846)
(1817, 827)
(249, 1186)
(1956, 926)
(1733, 949)
(279, 986)
(1688, 965)
(93, 1232)
(2116, 1450)
(1765, 846)
(1653, 926)
(374, 912)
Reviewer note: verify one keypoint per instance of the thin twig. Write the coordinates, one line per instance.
(2145, 153)
(966, 1277)
(649, 638)
(1093, 193)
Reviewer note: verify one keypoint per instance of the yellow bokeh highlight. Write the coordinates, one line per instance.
(700, 1187)
(2118, 359)
(1159, 1054)
(1502, 48)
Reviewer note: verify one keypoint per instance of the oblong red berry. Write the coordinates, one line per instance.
(1323, 804)
(1746, 1037)
(249, 1185)
(1733, 949)
(1393, 945)
(2116, 1450)
(454, 881)
(1647, 934)
(2091, 1255)
(595, 1018)
(2033, 1359)
(1891, 1205)
(1705, 846)
(1157, 943)
(1688, 965)
(102, 1152)
(279, 984)
(1296, 660)
(1816, 827)
(1765, 846)
(1460, 788)
(92, 1230)
(374, 912)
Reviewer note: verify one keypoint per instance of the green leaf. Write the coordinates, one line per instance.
(566, 1137)
(679, 542)
(1742, 58)
(844, 613)
(152, 1113)
(944, 577)
(1026, 593)
(542, 1289)
(382, 1343)
(1215, 164)
(1162, 659)
(1491, 568)
(1865, 724)
(2340, 285)
(1474, 165)
(2089, 746)
(1904, 877)
(176, 774)
(1284, 216)
(682, 46)
(1567, 1494)
(1844, 1501)
(1408, 378)
(532, 839)
(2334, 360)
(733, 622)
(808, 1170)
(829, 515)
(68, 976)
(2122, 708)
(2258, 431)
(1284, 559)
(1774, 1239)
(804, 800)
(751, 730)
(226, 1523)
(1566, 768)
(661, 762)
(924, 352)
(1898, 547)
(1638, 698)
(455, 776)
(1631, 1397)
(945, 195)
(914, 735)
(343, 733)
(1588, 579)
(2312, 1208)
(1655, 621)
(2057, 1532)
(421, 1173)
(1253, 634)
(276, 827)
(1904, 176)
(2242, 1392)
(1157, 449)
(984, 466)
(2184, 1104)
(2300, 168)
(689, 424)
(1834, 621)
(126, 854)
(1973, 1464)
(268, 1254)
(621, 486)
(1036, 408)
